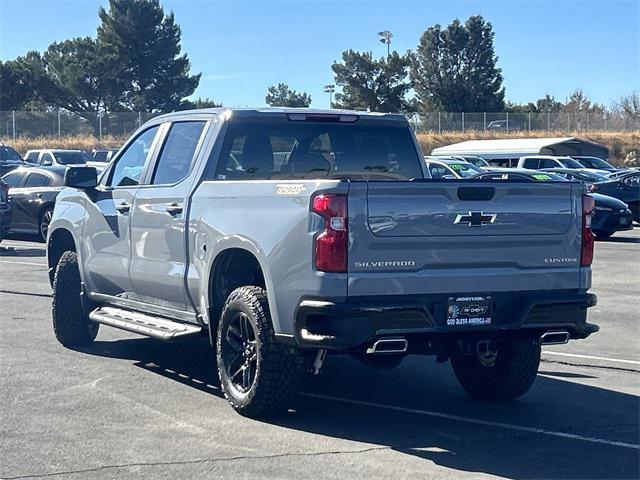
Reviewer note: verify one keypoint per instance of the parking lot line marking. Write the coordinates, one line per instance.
(19, 243)
(476, 421)
(24, 263)
(606, 359)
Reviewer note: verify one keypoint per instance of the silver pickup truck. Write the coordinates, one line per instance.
(285, 234)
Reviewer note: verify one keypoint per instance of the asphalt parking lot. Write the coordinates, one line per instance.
(131, 407)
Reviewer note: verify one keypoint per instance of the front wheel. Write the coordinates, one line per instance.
(502, 375)
(71, 323)
(258, 375)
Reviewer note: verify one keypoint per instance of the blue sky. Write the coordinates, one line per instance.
(242, 47)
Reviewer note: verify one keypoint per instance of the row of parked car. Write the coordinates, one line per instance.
(29, 186)
(616, 191)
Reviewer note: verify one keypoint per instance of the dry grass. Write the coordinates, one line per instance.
(78, 142)
(620, 144)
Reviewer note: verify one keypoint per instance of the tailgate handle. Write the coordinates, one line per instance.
(476, 193)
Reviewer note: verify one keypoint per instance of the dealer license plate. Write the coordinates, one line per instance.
(469, 310)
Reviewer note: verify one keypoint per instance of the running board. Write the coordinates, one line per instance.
(143, 324)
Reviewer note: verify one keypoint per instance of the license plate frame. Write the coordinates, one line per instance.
(469, 310)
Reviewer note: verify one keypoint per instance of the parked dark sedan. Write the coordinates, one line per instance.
(610, 216)
(584, 176)
(5, 210)
(625, 187)
(9, 159)
(595, 162)
(32, 195)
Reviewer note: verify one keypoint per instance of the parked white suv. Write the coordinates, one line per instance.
(539, 162)
(56, 158)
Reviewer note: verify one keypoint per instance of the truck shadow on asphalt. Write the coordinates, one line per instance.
(409, 410)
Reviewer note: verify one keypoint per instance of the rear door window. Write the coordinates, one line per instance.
(70, 158)
(548, 163)
(36, 180)
(100, 156)
(437, 171)
(46, 159)
(531, 163)
(176, 156)
(32, 157)
(283, 149)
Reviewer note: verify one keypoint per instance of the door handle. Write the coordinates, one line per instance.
(123, 207)
(174, 208)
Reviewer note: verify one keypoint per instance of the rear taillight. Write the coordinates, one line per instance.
(586, 254)
(331, 243)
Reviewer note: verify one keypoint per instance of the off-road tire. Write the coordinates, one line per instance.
(71, 323)
(279, 367)
(511, 376)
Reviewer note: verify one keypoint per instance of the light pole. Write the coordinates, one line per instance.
(330, 89)
(385, 37)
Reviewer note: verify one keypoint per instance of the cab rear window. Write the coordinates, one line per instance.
(284, 149)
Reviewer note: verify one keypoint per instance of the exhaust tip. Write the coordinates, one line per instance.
(389, 345)
(554, 338)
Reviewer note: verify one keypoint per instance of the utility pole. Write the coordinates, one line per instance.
(385, 37)
(330, 89)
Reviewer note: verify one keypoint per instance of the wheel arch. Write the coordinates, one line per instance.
(234, 267)
(59, 241)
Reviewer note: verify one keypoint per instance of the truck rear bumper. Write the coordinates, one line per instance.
(352, 323)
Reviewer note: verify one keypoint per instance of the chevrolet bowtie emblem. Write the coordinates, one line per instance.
(475, 219)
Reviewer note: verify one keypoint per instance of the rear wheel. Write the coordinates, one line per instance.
(502, 375)
(45, 220)
(258, 375)
(71, 323)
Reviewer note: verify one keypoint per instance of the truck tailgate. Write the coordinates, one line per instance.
(459, 237)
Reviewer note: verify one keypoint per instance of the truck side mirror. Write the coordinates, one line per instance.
(83, 178)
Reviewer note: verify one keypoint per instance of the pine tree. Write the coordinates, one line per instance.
(455, 69)
(282, 96)
(370, 84)
(141, 45)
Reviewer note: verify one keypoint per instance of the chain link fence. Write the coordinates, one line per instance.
(61, 123)
(442, 122)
